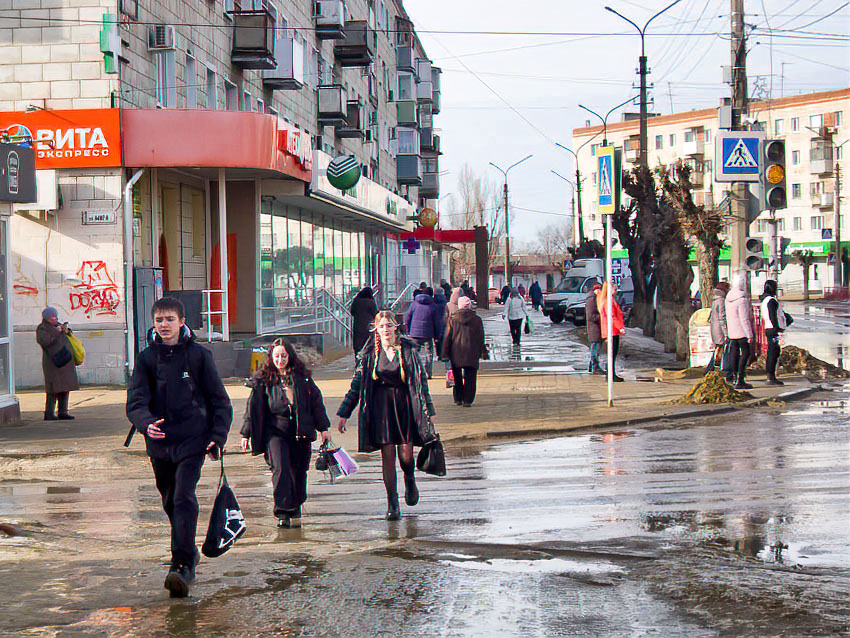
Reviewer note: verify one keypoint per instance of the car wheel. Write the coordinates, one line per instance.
(556, 317)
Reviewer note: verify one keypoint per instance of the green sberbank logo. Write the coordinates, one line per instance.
(343, 172)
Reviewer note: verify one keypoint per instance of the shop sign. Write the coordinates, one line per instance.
(67, 139)
(99, 217)
(17, 174)
(296, 143)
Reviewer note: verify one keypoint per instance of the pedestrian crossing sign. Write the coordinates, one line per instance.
(738, 156)
(606, 183)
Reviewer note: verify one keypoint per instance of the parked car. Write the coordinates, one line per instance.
(575, 310)
(573, 288)
(493, 295)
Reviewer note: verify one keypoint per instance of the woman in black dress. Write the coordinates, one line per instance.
(396, 412)
(284, 413)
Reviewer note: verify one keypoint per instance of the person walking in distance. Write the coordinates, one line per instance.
(594, 328)
(451, 306)
(536, 294)
(423, 325)
(740, 325)
(463, 347)
(396, 411)
(618, 326)
(775, 322)
(284, 414)
(441, 309)
(363, 310)
(717, 323)
(57, 364)
(177, 401)
(515, 314)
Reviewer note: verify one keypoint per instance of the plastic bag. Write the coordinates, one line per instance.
(78, 352)
(346, 464)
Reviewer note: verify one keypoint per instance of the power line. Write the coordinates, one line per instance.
(828, 15)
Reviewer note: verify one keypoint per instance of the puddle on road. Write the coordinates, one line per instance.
(544, 566)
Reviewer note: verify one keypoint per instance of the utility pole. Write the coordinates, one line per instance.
(839, 281)
(508, 217)
(739, 226)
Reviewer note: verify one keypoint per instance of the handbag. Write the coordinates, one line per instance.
(432, 458)
(62, 357)
(226, 520)
(529, 327)
(323, 460)
(78, 352)
(346, 464)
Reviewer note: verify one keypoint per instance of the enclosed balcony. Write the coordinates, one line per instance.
(436, 74)
(333, 105)
(358, 45)
(355, 121)
(430, 141)
(253, 40)
(289, 74)
(330, 19)
(405, 60)
(408, 170)
(823, 200)
(425, 92)
(694, 145)
(407, 113)
(820, 157)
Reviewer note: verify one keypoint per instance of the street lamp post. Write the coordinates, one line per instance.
(578, 184)
(508, 217)
(573, 196)
(642, 70)
(605, 119)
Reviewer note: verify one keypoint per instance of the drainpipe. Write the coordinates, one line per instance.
(130, 330)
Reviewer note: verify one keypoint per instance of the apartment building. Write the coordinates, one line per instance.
(814, 129)
(169, 133)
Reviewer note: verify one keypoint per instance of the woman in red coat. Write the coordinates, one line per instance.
(618, 325)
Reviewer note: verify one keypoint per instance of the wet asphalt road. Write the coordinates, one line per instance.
(735, 527)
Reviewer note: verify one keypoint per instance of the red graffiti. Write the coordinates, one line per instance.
(96, 293)
(21, 289)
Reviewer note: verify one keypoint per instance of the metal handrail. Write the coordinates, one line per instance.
(401, 296)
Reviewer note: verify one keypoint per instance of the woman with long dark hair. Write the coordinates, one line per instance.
(284, 413)
(396, 412)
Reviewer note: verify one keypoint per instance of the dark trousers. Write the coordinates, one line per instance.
(50, 403)
(741, 354)
(176, 482)
(289, 460)
(426, 353)
(465, 384)
(773, 350)
(516, 329)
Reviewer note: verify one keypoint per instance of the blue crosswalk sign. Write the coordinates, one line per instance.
(606, 182)
(738, 156)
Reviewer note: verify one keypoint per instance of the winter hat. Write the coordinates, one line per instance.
(49, 313)
(464, 302)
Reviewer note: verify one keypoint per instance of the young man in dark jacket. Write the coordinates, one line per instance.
(177, 401)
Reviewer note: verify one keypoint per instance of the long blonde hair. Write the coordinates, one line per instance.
(389, 316)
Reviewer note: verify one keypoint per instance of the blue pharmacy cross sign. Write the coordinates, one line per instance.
(411, 245)
(738, 156)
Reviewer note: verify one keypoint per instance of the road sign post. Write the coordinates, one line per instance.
(608, 198)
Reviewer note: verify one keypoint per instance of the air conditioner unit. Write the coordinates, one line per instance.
(161, 37)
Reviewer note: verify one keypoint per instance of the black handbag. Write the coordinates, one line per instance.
(432, 459)
(62, 357)
(226, 521)
(325, 458)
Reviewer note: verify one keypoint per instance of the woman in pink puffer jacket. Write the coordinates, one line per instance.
(740, 326)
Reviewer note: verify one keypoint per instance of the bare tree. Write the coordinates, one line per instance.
(554, 242)
(805, 258)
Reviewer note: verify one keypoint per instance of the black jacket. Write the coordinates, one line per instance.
(361, 392)
(179, 383)
(363, 311)
(310, 413)
(463, 343)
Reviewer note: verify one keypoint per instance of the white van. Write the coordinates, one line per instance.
(573, 288)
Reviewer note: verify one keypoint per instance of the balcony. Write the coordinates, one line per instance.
(694, 147)
(631, 154)
(355, 120)
(358, 45)
(436, 73)
(404, 59)
(425, 92)
(823, 200)
(406, 113)
(253, 40)
(330, 19)
(333, 105)
(429, 140)
(409, 170)
(697, 179)
(820, 157)
(289, 74)
(430, 188)
(704, 198)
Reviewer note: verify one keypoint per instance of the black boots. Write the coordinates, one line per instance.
(393, 508)
(180, 577)
(50, 406)
(411, 492)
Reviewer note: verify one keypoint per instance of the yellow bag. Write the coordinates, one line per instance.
(77, 349)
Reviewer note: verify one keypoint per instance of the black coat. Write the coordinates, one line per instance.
(591, 314)
(360, 393)
(310, 413)
(363, 311)
(536, 293)
(463, 344)
(179, 383)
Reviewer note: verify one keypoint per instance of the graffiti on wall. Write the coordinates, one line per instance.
(97, 293)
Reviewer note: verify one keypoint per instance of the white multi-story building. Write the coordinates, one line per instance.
(167, 130)
(814, 129)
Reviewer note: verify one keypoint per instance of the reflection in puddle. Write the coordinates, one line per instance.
(545, 566)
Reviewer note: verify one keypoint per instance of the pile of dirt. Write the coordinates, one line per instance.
(713, 389)
(794, 360)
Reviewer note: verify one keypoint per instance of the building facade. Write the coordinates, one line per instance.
(183, 146)
(814, 129)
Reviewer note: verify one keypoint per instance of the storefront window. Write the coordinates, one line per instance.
(266, 270)
(329, 260)
(339, 260)
(307, 255)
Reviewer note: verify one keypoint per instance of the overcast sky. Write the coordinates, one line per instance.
(545, 77)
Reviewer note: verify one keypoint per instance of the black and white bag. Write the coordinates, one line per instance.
(226, 521)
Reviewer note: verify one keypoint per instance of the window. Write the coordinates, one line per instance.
(798, 223)
(672, 139)
(231, 97)
(780, 225)
(130, 8)
(408, 141)
(212, 89)
(796, 191)
(795, 124)
(261, 105)
(779, 127)
(247, 101)
(191, 83)
(839, 152)
(707, 135)
(166, 80)
(838, 118)
(593, 149)
(816, 121)
(708, 165)
(689, 135)
(406, 87)
(659, 142)
(795, 158)
(273, 111)
(761, 226)
(817, 222)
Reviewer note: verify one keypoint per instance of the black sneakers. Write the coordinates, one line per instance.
(772, 381)
(180, 577)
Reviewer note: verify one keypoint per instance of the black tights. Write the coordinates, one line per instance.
(405, 462)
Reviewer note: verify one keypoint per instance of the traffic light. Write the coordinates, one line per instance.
(784, 258)
(773, 175)
(754, 258)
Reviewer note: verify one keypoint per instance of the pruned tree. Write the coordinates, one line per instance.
(703, 225)
(805, 258)
(554, 242)
(589, 249)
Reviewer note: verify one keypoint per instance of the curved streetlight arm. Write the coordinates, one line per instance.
(646, 26)
(605, 119)
(615, 12)
(566, 179)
